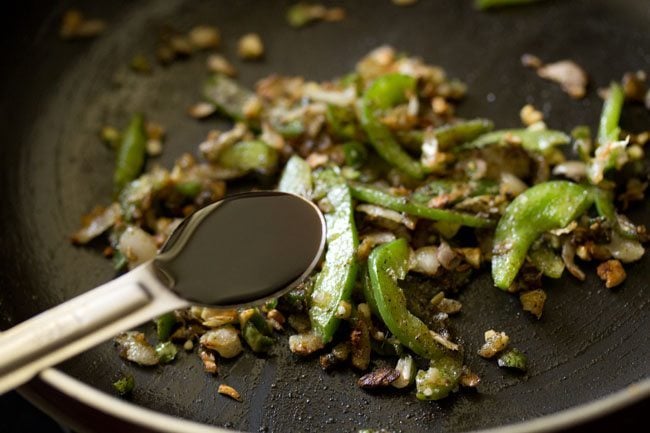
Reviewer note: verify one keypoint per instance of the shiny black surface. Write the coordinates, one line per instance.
(56, 95)
(245, 248)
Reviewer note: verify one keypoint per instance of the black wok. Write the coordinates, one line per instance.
(590, 351)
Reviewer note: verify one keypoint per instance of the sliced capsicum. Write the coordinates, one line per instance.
(387, 264)
(385, 92)
(336, 280)
(544, 207)
(404, 204)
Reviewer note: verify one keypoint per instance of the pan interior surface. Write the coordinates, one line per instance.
(591, 341)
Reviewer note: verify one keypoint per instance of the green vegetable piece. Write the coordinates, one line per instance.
(164, 325)
(457, 190)
(166, 352)
(546, 261)
(301, 14)
(296, 177)
(119, 261)
(404, 204)
(438, 381)
(257, 341)
(355, 153)
(387, 264)
(124, 385)
(189, 189)
(546, 206)
(492, 4)
(608, 129)
(539, 141)
(130, 154)
(461, 132)
(513, 358)
(228, 96)
(336, 280)
(342, 122)
(385, 92)
(366, 287)
(604, 201)
(250, 155)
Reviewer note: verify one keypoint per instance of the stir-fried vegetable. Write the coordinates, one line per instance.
(416, 202)
(335, 282)
(544, 207)
(385, 92)
(130, 153)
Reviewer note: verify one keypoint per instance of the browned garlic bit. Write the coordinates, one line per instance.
(611, 272)
(229, 391)
(75, 26)
(495, 342)
(250, 47)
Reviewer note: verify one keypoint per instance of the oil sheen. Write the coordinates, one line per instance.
(245, 248)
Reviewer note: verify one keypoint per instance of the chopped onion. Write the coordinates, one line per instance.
(568, 254)
(575, 170)
(447, 257)
(625, 250)
(511, 185)
(425, 260)
(339, 98)
(391, 215)
(137, 246)
(571, 77)
(224, 340)
(133, 346)
(97, 223)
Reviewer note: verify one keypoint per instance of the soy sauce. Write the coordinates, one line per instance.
(245, 248)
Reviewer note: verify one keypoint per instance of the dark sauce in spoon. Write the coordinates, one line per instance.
(245, 248)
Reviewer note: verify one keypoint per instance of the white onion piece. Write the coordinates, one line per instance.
(224, 340)
(391, 215)
(424, 260)
(568, 254)
(626, 250)
(511, 184)
(98, 224)
(339, 98)
(134, 347)
(576, 170)
(137, 246)
(447, 257)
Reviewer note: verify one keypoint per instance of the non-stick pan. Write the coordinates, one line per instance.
(590, 350)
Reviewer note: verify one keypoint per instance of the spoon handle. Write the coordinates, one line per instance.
(81, 323)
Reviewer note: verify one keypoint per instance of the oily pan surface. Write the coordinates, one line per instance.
(590, 342)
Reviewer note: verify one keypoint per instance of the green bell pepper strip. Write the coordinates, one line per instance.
(130, 154)
(342, 122)
(472, 188)
(124, 385)
(385, 92)
(439, 380)
(336, 280)
(164, 325)
(447, 136)
(355, 153)
(387, 264)
(604, 202)
(227, 95)
(404, 204)
(542, 141)
(546, 206)
(491, 4)
(296, 177)
(546, 261)
(366, 287)
(253, 155)
(257, 341)
(608, 129)
(461, 132)
(166, 352)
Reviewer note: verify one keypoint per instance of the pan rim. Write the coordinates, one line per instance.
(163, 423)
